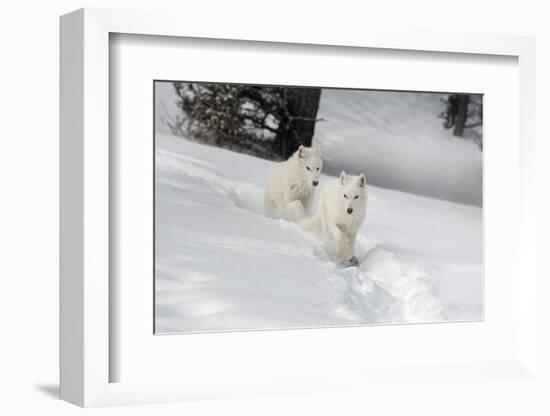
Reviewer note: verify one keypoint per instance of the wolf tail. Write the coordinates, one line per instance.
(310, 224)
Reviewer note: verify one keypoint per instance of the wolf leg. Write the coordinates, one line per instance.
(269, 206)
(336, 236)
(307, 206)
(349, 258)
(349, 245)
(343, 246)
(295, 210)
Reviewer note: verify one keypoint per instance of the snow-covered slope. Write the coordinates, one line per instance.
(399, 141)
(222, 265)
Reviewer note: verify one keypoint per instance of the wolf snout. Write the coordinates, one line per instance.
(315, 183)
(350, 210)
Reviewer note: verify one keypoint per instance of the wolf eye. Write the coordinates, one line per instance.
(307, 167)
(345, 196)
(317, 169)
(356, 196)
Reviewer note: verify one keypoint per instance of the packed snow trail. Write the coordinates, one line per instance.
(222, 265)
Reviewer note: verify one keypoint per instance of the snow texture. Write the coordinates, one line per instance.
(221, 265)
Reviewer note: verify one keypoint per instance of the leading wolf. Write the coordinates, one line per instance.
(342, 209)
(291, 184)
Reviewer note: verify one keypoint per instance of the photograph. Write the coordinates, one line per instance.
(294, 207)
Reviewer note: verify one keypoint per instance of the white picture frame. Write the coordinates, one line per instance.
(86, 305)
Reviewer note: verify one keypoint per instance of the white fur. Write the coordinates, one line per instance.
(333, 221)
(290, 184)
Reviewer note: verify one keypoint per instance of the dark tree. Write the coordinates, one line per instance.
(461, 114)
(270, 122)
(298, 121)
(451, 111)
(464, 112)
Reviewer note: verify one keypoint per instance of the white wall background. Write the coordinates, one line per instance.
(29, 209)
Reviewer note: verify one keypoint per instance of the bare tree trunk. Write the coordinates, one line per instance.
(303, 104)
(462, 114)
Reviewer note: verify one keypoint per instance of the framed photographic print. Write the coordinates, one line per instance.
(291, 207)
(248, 215)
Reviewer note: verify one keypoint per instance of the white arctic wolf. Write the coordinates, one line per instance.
(342, 208)
(290, 184)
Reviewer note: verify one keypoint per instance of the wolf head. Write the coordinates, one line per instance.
(353, 191)
(311, 163)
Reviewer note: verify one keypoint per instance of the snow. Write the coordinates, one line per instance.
(222, 265)
(399, 142)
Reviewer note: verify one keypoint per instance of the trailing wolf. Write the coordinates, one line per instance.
(291, 184)
(342, 209)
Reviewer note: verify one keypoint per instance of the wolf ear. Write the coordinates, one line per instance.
(343, 178)
(301, 152)
(317, 149)
(362, 180)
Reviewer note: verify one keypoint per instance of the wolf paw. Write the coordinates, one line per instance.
(353, 262)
